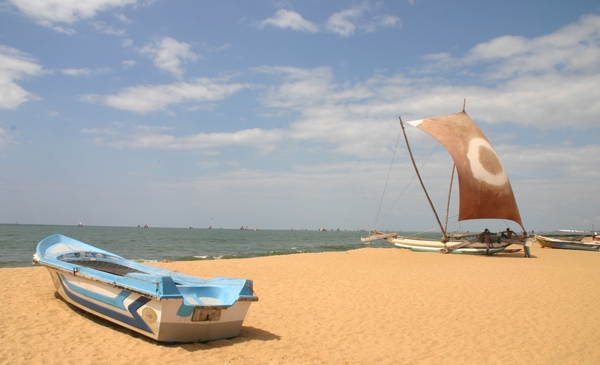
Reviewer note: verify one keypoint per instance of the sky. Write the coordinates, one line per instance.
(284, 114)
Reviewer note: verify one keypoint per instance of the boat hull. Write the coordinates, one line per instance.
(423, 245)
(163, 305)
(548, 242)
(156, 319)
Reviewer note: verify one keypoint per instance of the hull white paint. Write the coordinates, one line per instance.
(161, 320)
(424, 245)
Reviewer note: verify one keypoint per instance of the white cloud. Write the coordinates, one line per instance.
(145, 99)
(292, 20)
(128, 63)
(102, 27)
(84, 71)
(554, 89)
(339, 116)
(126, 42)
(15, 65)
(6, 139)
(574, 49)
(168, 54)
(346, 22)
(122, 18)
(388, 20)
(301, 87)
(342, 22)
(50, 12)
(67, 11)
(77, 71)
(60, 29)
(151, 137)
(213, 49)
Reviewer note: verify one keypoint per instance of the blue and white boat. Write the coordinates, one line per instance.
(164, 305)
(583, 243)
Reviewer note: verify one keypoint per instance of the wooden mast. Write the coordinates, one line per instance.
(445, 236)
(449, 193)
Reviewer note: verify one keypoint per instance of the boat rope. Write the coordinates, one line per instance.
(386, 181)
(417, 234)
(405, 187)
(507, 224)
(410, 182)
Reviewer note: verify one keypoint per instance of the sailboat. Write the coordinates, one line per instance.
(484, 191)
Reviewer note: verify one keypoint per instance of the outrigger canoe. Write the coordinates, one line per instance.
(163, 305)
(484, 190)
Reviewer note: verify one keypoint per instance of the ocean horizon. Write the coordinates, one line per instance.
(18, 242)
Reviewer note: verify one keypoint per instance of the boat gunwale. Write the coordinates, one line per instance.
(76, 270)
(149, 274)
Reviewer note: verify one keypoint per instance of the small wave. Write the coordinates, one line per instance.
(145, 260)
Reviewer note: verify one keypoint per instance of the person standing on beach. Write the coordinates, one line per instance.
(526, 246)
(483, 234)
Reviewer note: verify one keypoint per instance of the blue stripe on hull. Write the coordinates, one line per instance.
(115, 302)
(573, 246)
(135, 320)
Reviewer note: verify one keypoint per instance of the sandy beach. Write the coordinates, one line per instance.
(368, 306)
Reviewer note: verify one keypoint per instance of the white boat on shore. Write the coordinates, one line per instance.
(582, 242)
(484, 191)
(163, 305)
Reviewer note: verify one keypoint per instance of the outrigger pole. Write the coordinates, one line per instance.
(445, 236)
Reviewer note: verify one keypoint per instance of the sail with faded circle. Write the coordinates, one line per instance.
(485, 191)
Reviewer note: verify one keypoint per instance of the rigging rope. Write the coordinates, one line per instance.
(388, 178)
(410, 182)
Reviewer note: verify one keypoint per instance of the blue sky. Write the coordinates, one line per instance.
(284, 114)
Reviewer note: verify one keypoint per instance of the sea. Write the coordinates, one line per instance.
(18, 242)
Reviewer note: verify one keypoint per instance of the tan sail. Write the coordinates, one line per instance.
(485, 190)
